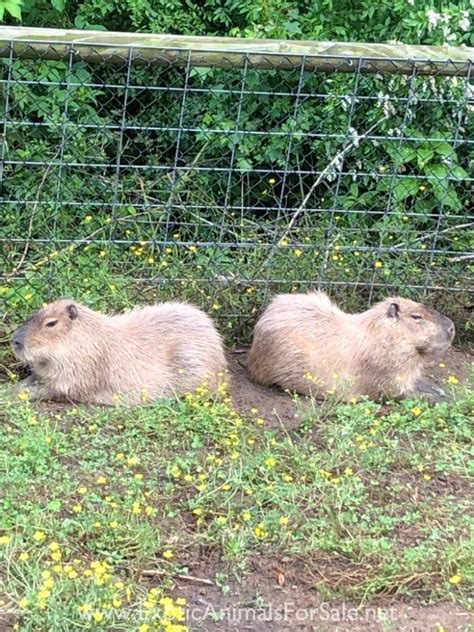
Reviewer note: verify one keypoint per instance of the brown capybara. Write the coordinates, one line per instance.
(151, 352)
(305, 343)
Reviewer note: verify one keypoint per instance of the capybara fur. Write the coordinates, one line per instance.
(305, 343)
(152, 352)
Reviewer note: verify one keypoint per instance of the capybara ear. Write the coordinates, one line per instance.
(393, 310)
(72, 311)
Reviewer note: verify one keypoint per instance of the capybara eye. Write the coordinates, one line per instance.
(51, 323)
(417, 317)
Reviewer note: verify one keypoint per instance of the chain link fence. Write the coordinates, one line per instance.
(136, 172)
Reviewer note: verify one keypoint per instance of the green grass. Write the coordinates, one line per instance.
(375, 497)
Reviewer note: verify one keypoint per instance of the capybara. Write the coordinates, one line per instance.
(305, 343)
(157, 351)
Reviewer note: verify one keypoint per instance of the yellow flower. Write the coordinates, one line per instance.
(24, 556)
(298, 252)
(427, 477)
(283, 520)
(197, 511)
(149, 510)
(378, 264)
(101, 480)
(271, 180)
(22, 396)
(114, 524)
(77, 508)
(88, 218)
(133, 460)
(144, 627)
(86, 607)
(82, 490)
(260, 531)
(23, 602)
(452, 379)
(98, 616)
(455, 579)
(416, 411)
(442, 365)
(119, 455)
(348, 471)
(270, 462)
(39, 536)
(56, 556)
(4, 539)
(168, 554)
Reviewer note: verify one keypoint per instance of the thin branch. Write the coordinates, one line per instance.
(337, 158)
(440, 232)
(32, 216)
(155, 572)
(462, 258)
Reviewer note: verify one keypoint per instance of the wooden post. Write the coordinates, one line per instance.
(226, 52)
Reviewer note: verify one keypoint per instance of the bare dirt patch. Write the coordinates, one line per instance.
(277, 595)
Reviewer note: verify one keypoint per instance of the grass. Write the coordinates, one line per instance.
(101, 510)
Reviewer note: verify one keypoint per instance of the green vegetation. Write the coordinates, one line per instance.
(95, 501)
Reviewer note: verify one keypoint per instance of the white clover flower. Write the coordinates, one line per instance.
(433, 19)
(465, 22)
(355, 136)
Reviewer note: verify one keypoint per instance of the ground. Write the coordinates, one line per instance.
(260, 512)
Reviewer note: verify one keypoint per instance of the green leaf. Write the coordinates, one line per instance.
(13, 7)
(54, 505)
(451, 200)
(405, 154)
(459, 173)
(440, 171)
(424, 155)
(405, 188)
(58, 5)
(443, 149)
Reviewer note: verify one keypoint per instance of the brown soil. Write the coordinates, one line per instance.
(278, 595)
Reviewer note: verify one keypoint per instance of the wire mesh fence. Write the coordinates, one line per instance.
(132, 173)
